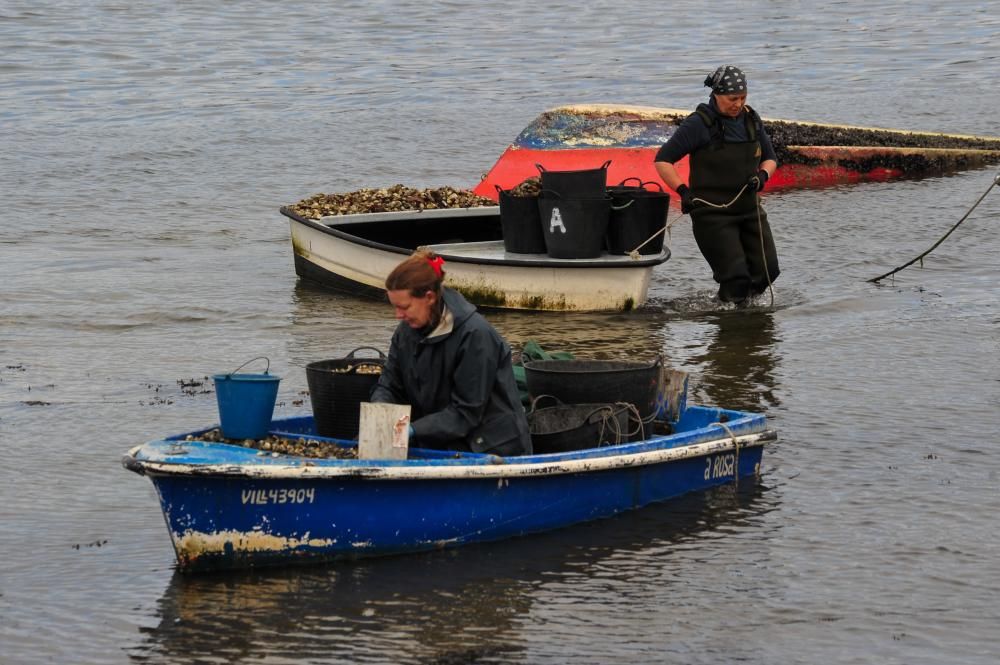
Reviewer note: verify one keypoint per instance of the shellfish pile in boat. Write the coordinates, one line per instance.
(388, 199)
(529, 187)
(277, 445)
(360, 368)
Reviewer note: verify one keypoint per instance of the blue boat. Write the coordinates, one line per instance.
(229, 506)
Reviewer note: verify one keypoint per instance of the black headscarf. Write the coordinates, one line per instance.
(727, 80)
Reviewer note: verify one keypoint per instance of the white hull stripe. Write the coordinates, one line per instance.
(446, 472)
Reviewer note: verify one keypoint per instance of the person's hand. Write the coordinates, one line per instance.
(757, 180)
(687, 199)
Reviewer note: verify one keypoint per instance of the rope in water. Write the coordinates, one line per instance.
(995, 183)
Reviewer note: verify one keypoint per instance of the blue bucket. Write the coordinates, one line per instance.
(246, 403)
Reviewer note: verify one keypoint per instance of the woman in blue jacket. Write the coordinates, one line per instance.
(450, 366)
(731, 159)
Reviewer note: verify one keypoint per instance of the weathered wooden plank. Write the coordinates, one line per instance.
(384, 431)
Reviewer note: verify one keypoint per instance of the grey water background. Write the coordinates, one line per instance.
(146, 148)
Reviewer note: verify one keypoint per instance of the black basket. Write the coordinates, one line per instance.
(637, 214)
(521, 223)
(596, 381)
(337, 389)
(583, 183)
(574, 228)
(637, 186)
(568, 427)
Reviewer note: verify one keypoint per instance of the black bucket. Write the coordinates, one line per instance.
(596, 381)
(583, 183)
(568, 427)
(338, 387)
(637, 186)
(521, 223)
(637, 214)
(574, 228)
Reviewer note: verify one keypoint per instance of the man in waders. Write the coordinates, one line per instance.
(731, 159)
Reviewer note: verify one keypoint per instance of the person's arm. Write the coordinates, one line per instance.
(669, 175)
(770, 166)
(688, 137)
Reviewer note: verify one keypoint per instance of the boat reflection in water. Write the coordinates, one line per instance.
(639, 335)
(321, 317)
(730, 354)
(324, 322)
(448, 606)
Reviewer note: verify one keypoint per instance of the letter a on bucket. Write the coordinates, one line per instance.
(556, 222)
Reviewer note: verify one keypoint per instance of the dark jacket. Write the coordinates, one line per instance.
(459, 383)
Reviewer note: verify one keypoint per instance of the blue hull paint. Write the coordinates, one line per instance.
(227, 507)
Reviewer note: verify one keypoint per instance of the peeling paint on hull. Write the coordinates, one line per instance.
(192, 546)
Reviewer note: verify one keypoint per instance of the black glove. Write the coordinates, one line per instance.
(687, 199)
(757, 180)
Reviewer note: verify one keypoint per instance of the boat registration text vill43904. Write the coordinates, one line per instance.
(278, 496)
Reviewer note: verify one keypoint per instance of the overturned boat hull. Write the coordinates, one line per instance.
(809, 154)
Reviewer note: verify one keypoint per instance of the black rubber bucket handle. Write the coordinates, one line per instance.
(369, 348)
(637, 179)
(605, 165)
(534, 402)
(642, 183)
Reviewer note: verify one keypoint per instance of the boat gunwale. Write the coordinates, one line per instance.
(491, 467)
(330, 228)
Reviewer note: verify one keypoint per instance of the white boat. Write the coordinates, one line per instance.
(355, 253)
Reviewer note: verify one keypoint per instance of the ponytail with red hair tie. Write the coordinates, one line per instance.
(436, 263)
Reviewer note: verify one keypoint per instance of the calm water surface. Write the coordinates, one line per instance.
(146, 149)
